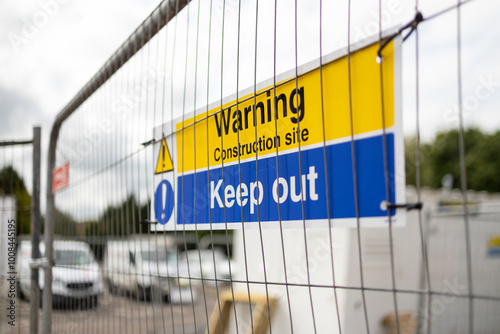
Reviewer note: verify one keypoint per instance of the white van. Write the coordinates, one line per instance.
(141, 264)
(75, 275)
(209, 262)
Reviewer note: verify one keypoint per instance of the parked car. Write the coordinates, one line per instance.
(75, 275)
(140, 265)
(209, 262)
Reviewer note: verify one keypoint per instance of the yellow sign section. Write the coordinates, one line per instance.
(277, 118)
(164, 163)
(495, 242)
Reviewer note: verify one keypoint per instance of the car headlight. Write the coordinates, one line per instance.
(155, 280)
(182, 282)
(57, 283)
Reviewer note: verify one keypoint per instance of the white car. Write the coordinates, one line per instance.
(75, 276)
(141, 264)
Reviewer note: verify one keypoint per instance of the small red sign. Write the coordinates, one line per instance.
(60, 177)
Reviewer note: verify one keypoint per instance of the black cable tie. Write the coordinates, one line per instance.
(149, 222)
(407, 206)
(413, 25)
(149, 142)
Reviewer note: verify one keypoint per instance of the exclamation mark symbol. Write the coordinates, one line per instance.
(163, 203)
(163, 148)
(164, 163)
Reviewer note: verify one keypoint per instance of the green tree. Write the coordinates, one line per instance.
(442, 156)
(13, 184)
(121, 220)
(483, 164)
(412, 162)
(445, 157)
(64, 225)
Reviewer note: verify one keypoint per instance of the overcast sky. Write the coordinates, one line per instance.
(49, 49)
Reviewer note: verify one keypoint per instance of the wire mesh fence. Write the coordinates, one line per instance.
(20, 216)
(15, 212)
(239, 167)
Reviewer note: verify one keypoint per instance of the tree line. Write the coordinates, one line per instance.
(442, 156)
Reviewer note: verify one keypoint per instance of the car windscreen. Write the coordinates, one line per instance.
(154, 255)
(71, 257)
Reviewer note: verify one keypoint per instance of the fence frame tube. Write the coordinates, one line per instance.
(167, 10)
(35, 231)
(35, 222)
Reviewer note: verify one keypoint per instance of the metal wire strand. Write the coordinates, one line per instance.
(208, 169)
(354, 173)
(163, 108)
(386, 170)
(239, 171)
(278, 168)
(302, 191)
(182, 174)
(254, 97)
(195, 164)
(222, 164)
(329, 214)
(463, 169)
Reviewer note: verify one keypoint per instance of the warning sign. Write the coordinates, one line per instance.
(285, 153)
(494, 246)
(164, 163)
(60, 177)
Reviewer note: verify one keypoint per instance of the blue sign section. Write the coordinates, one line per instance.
(494, 252)
(164, 206)
(292, 186)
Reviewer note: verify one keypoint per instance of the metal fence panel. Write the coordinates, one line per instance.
(20, 219)
(117, 270)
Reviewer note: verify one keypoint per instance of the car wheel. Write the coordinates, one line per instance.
(144, 293)
(111, 286)
(41, 298)
(21, 294)
(91, 301)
